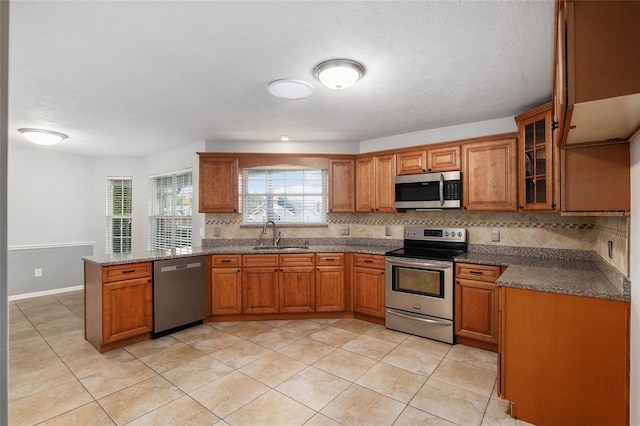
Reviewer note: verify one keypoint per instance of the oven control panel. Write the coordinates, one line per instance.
(435, 234)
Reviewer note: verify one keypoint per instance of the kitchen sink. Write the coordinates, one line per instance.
(282, 248)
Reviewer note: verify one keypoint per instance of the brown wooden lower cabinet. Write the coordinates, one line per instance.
(565, 359)
(330, 282)
(477, 306)
(118, 304)
(368, 285)
(297, 289)
(226, 284)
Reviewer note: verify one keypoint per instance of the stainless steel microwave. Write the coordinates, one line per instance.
(429, 191)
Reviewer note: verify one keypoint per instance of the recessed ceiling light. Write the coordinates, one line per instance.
(290, 89)
(338, 74)
(284, 138)
(42, 137)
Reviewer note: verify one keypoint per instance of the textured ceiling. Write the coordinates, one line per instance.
(133, 78)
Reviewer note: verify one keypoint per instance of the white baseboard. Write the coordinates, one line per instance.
(45, 293)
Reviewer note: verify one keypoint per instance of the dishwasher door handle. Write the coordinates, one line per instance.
(180, 267)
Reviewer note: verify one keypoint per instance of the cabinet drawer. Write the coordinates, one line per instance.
(260, 260)
(226, 260)
(477, 272)
(298, 259)
(126, 272)
(368, 260)
(329, 259)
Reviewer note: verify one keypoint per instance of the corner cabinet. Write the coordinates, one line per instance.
(218, 184)
(489, 175)
(536, 160)
(596, 180)
(477, 306)
(118, 304)
(597, 86)
(375, 183)
(564, 359)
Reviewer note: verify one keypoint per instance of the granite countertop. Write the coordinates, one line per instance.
(571, 272)
(353, 245)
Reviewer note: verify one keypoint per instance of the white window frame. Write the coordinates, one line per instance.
(293, 202)
(119, 226)
(170, 212)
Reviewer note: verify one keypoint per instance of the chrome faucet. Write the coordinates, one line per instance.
(276, 233)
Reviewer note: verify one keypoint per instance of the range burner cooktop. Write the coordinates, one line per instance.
(432, 243)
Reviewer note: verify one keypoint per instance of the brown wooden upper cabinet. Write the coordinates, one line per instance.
(536, 160)
(597, 89)
(375, 183)
(596, 180)
(218, 184)
(441, 159)
(489, 175)
(342, 180)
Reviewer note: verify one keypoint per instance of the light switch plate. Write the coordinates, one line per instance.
(344, 230)
(387, 231)
(495, 236)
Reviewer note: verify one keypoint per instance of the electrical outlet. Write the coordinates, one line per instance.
(344, 230)
(387, 231)
(495, 236)
(38, 272)
(216, 232)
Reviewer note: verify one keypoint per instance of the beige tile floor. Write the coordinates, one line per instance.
(312, 372)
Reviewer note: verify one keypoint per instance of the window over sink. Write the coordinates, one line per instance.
(286, 195)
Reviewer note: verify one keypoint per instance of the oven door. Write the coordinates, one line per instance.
(421, 286)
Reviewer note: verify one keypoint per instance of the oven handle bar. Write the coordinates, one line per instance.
(399, 261)
(427, 320)
(441, 190)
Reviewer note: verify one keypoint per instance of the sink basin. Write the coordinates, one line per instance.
(281, 248)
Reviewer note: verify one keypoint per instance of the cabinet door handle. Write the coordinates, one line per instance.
(129, 271)
(225, 260)
(476, 272)
(368, 261)
(330, 259)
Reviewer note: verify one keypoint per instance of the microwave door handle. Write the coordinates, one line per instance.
(441, 190)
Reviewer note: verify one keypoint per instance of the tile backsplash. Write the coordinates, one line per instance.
(543, 230)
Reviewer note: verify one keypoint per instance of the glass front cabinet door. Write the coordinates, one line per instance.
(536, 159)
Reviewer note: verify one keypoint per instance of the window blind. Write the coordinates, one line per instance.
(286, 196)
(119, 208)
(170, 210)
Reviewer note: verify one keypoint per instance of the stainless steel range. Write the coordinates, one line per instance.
(419, 282)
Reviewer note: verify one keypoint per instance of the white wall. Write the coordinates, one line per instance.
(442, 134)
(277, 147)
(49, 197)
(634, 254)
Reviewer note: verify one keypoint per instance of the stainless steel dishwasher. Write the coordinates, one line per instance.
(179, 294)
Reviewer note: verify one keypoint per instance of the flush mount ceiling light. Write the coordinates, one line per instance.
(43, 137)
(290, 89)
(338, 74)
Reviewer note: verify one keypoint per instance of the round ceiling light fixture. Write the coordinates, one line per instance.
(338, 74)
(290, 89)
(42, 137)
